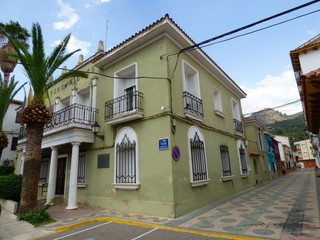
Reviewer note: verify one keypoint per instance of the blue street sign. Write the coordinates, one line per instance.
(163, 144)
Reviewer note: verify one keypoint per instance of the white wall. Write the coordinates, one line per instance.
(309, 61)
(11, 128)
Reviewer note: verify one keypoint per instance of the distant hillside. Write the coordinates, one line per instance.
(269, 116)
(281, 124)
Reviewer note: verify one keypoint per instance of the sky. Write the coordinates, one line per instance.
(259, 62)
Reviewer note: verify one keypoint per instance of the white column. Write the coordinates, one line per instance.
(74, 96)
(57, 105)
(52, 174)
(72, 199)
(94, 92)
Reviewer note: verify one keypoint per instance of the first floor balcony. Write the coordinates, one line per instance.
(72, 123)
(193, 106)
(124, 108)
(238, 127)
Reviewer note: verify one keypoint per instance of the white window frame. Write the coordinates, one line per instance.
(44, 170)
(191, 134)
(82, 169)
(260, 139)
(239, 145)
(191, 85)
(235, 109)
(132, 136)
(188, 72)
(120, 78)
(217, 100)
(225, 177)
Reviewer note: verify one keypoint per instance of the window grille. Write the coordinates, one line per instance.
(43, 178)
(126, 171)
(198, 159)
(82, 167)
(243, 160)
(225, 160)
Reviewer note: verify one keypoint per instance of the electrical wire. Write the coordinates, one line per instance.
(267, 109)
(258, 30)
(89, 72)
(250, 25)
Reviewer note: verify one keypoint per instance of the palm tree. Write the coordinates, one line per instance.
(7, 63)
(7, 93)
(39, 69)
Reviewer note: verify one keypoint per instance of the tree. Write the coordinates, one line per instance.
(7, 93)
(39, 68)
(7, 63)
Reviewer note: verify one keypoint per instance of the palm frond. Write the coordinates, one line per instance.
(7, 94)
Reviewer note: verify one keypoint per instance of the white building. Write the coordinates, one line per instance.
(11, 127)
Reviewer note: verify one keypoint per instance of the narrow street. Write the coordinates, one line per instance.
(283, 207)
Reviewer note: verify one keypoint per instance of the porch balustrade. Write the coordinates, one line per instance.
(75, 113)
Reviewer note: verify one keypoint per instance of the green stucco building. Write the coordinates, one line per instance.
(171, 136)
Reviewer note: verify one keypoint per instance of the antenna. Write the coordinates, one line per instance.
(106, 40)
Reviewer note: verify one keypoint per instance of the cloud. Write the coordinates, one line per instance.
(103, 1)
(312, 32)
(272, 91)
(75, 44)
(68, 14)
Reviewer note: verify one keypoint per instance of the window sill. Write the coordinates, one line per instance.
(82, 185)
(200, 183)
(220, 113)
(193, 116)
(227, 178)
(126, 186)
(244, 175)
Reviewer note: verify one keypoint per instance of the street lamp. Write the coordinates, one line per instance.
(95, 129)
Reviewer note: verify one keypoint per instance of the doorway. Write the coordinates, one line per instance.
(61, 174)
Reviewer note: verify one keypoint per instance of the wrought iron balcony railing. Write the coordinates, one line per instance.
(238, 126)
(124, 105)
(75, 113)
(192, 104)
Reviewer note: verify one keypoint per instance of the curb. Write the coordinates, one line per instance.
(150, 225)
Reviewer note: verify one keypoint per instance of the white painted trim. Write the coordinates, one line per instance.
(117, 74)
(200, 183)
(227, 178)
(127, 186)
(132, 135)
(192, 130)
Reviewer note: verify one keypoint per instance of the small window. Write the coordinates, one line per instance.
(14, 143)
(126, 160)
(236, 117)
(225, 161)
(81, 180)
(260, 134)
(243, 160)
(44, 171)
(199, 170)
(217, 102)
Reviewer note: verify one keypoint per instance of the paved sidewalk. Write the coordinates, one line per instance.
(285, 208)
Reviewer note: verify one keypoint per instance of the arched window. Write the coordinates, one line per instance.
(126, 174)
(197, 156)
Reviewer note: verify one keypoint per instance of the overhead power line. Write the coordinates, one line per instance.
(273, 108)
(258, 30)
(89, 72)
(249, 25)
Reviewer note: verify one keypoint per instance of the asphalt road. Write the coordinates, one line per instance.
(118, 231)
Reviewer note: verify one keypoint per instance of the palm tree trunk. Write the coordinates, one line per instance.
(31, 172)
(6, 78)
